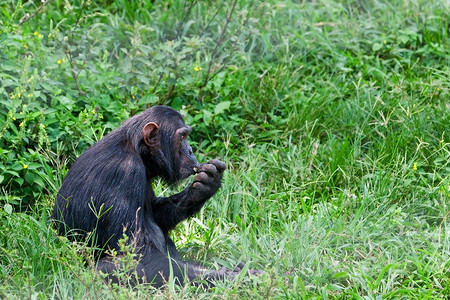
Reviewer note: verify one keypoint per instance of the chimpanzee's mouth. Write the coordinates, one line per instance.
(188, 171)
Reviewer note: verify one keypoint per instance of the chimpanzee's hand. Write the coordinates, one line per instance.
(206, 181)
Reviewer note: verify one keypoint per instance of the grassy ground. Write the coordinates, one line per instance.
(332, 116)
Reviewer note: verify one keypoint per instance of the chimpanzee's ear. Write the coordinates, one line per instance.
(150, 133)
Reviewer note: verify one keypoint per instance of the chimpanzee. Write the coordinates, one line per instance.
(108, 193)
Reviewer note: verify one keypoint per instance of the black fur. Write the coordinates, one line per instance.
(108, 192)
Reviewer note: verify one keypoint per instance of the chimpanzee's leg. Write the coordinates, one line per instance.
(155, 268)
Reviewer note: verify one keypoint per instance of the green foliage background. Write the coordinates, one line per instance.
(333, 118)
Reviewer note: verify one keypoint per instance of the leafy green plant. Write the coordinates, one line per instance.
(332, 118)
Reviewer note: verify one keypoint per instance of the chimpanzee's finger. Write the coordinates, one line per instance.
(239, 267)
(221, 166)
(199, 186)
(203, 177)
(256, 272)
(210, 169)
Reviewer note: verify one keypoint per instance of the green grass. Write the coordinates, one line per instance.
(332, 116)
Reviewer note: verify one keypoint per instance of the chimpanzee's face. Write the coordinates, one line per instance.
(185, 159)
(168, 153)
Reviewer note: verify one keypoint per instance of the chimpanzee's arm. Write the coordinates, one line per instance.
(169, 211)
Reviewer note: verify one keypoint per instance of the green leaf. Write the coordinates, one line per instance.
(300, 285)
(148, 99)
(403, 38)
(381, 275)
(14, 173)
(340, 275)
(34, 166)
(177, 103)
(221, 107)
(8, 208)
(207, 117)
(377, 46)
(16, 167)
(18, 180)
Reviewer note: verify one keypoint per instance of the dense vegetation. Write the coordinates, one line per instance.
(332, 116)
